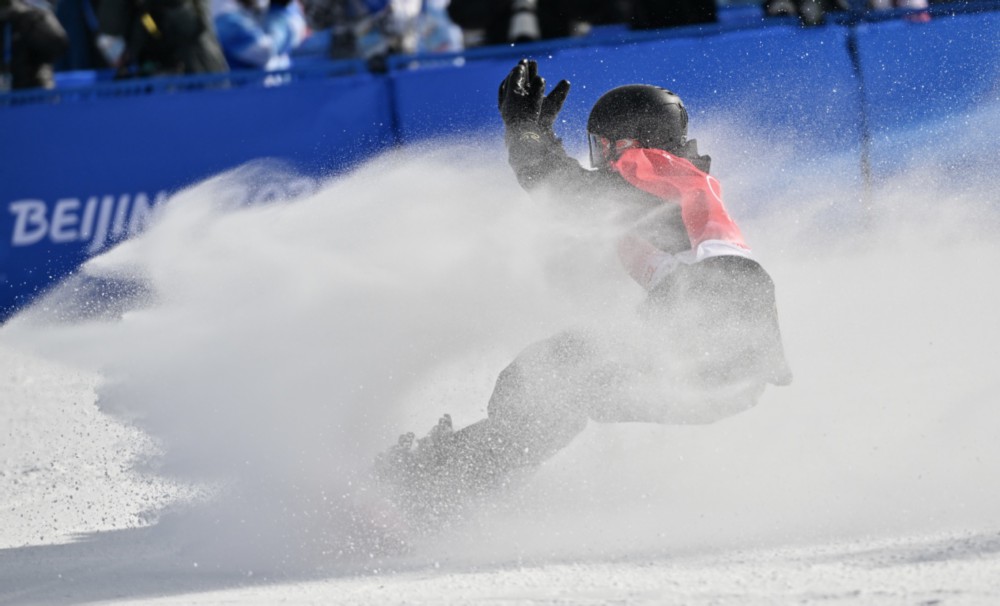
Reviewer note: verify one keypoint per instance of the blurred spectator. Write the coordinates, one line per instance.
(920, 13)
(503, 21)
(809, 12)
(654, 14)
(79, 19)
(434, 31)
(258, 33)
(31, 39)
(374, 29)
(362, 29)
(155, 37)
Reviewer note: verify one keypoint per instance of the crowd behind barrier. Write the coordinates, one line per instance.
(141, 38)
(81, 165)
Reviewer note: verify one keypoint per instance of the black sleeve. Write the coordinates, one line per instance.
(539, 160)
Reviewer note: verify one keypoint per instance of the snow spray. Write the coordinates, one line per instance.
(272, 350)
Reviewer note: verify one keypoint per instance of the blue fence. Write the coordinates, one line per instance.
(81, 166)
(917, 74)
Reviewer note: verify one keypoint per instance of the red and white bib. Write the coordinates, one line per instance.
(674, 180)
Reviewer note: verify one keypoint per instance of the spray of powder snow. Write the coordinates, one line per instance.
(277, 348)
(891, 424)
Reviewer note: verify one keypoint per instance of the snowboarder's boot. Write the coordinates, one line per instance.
(436, 478)
(410, 458)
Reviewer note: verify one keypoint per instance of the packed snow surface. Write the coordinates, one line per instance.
(201, 438)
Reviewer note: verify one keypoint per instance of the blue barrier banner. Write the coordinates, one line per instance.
(918, 74)
(915, 72)
(800, 81)
(81, 168)
(78, 175)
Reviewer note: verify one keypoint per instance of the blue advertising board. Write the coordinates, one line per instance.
(76, 176)
(917, 74)
(81, 168)
(798, 80)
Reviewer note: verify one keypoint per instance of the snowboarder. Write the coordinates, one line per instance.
(710, 316)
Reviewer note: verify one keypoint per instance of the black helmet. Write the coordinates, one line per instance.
(636, 115)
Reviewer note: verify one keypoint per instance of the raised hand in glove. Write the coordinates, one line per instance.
(523, 104)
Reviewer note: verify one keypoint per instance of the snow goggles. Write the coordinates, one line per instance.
(603, 151)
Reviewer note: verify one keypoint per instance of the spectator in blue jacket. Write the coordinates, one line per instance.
(259, 34)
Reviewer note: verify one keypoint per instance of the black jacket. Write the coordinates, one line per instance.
(35, 39)
(164, 36)
(720, 310)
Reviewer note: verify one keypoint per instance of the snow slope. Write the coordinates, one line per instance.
(193, 441)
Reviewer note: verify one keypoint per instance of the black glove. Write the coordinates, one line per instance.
(522, 103)
(552, 105)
